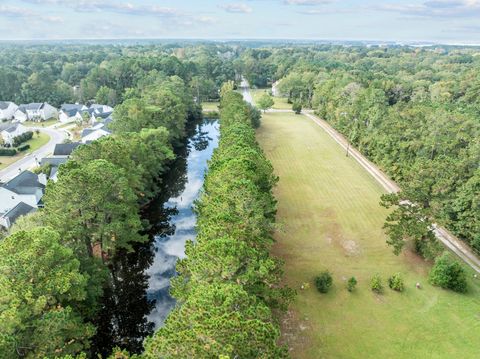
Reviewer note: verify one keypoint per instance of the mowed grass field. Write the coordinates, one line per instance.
(280, 102)
(329, 218)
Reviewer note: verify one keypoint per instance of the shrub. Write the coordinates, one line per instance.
(297, 107)
(376, 284)
(22, 138)
(352, 282)
(23, 147)
(8, 152)
(323, 282)
(449, 274)
(395, 282)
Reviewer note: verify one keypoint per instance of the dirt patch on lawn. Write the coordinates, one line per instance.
(294, 332)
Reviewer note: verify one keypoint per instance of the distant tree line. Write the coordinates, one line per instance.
(79, 73)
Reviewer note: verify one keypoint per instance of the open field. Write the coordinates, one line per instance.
(329, 218)
(35, 143)
(280, 102)
(210, 106)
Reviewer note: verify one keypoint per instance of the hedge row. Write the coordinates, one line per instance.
(228, 283)
(8, 151)
(24, 137)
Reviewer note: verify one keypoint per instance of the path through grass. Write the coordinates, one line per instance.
(329, 218)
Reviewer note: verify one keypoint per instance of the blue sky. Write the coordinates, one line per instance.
(451, 21)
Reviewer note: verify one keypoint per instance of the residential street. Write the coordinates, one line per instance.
(30, 161)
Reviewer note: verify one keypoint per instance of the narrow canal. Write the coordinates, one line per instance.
(138, 300)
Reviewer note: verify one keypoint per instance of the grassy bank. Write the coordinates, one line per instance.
(329, 218)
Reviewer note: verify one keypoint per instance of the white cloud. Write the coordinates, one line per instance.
(237, 8)
(308, 2)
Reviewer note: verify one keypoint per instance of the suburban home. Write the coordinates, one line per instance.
(100, 108)
(65, 149)
(94, 133)
(11, 130)
(54, 163)
(20, 196)
(36, 112)
(72, 112)
(7, 110)
(275, 89)
(99, 117)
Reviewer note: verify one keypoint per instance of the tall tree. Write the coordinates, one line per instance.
(40, 287)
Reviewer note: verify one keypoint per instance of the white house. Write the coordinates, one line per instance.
(12, 130)
(101, 108)
(19, 196)
(36, 112)
(7, 110)
(72, 112)
(275, 89)
(93, 134)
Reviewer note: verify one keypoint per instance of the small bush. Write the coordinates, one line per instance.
(23, 147)
(297, 108)
(323, 282)
(395, 282)
(376, 284)
(449, 274)
(352, 282)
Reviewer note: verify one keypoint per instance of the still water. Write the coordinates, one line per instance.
(169, 247)
(138, 300)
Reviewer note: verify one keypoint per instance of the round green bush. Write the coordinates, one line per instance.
(376, 284)
(449, 274)
(323, 282)
(352, 282)
(395, 282)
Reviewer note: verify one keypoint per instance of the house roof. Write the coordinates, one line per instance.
(4, 104)
(25, 183)
(11, 128)
(5, 125)
(89, 131)
(21, 209)
(53, 161)
(65, 149)
(32, 106)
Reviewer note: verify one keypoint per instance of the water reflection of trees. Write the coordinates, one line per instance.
(122, 320)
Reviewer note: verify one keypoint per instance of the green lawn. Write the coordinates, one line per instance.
(280, 102)
(329, 218)
(35, 143)
(40, 124)
(210, 106)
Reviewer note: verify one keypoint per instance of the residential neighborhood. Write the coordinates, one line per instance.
(23, 193)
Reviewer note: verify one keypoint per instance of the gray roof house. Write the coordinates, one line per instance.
(65, 149)
(19, 196)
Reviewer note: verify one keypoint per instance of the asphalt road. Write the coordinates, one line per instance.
(456, 245)
(30, 160)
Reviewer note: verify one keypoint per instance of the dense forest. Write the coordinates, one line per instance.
(413, 111)
(80, 73)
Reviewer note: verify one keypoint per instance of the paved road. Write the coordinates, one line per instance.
(449, 240)
(30, 160)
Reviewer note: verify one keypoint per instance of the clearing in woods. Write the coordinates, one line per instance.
(330, 218)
